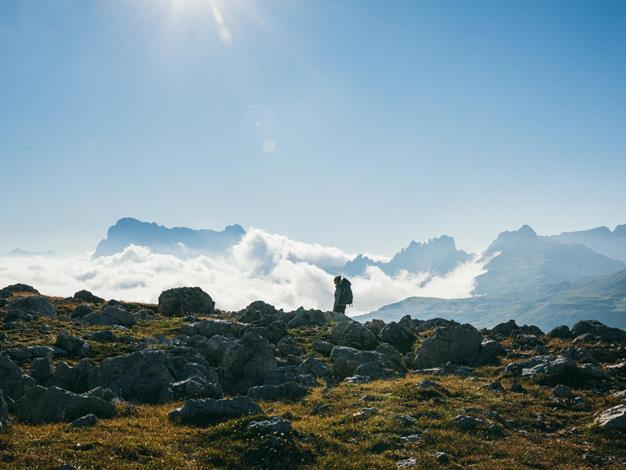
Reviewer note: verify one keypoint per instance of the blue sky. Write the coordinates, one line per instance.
(358, 124)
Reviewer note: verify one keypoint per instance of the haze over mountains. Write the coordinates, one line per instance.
(545, 280)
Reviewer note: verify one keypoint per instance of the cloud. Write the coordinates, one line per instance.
(265, 266)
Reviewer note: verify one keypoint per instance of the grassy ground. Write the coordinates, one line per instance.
(145, 438)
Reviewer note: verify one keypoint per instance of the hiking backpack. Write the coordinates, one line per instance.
(346, 292)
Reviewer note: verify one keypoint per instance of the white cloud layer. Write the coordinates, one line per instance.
(264, 266)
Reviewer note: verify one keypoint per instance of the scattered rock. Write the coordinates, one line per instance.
(322, 347)
(365, 413)
(353, 334)
(467, 423)
(86, 421)
(562, 391)
(184, 300)
(442, 458)
(613, 418)
(516, 387)
(72, 345)
(495, 387)
(110, 315)
(34, 305)
(398, 336)
(407, 463)
(8, 291)
(598, 330)
(304, 317)
(50, 405)
(210, 411)
(358, 379)
(274, 425)
(562, 332)
(86, 296)
(457, 344)
(289, 391)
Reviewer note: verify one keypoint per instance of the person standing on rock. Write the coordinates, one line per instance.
(343, 294)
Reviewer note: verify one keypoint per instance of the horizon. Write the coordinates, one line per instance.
(416, 121)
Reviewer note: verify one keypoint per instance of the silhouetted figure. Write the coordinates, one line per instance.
(343, 294)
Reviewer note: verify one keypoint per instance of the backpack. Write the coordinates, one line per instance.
(346, 292)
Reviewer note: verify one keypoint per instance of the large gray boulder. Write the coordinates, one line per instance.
(12, 381)
(185, 300)
(598, 330)
(111, 315)
(213, 327)
(86, 296)
(149, 376)
(53, 404)
(458, 344)
(210, 411)
(345, 361)
(552, 370)
(303, 318)
(613, 418)
(4, 412)
(34, 305)
(353, 334)
(8, 291)
(398, 336)
(72, 345)
(242, 363)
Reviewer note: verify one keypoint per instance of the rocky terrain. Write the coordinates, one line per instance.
(92, 383)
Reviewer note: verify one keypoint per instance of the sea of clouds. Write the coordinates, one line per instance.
(269, 267)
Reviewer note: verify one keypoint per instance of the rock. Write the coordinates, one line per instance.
(562, 391)
(374, 370)
(558, 369)
(28, 353)
(405, 420)
(50, 405)
(86, 296)
(467, 423)
(321, 409)
(490, 350)
(346, 360)
(407, 463)
(71, 344)
(613, 418)
(242, 363)
(4, 412)
(516, 387)
(620, 395)
(210, 411)
(504, 329)
(213, 327)
(102, 393)
(312, 366)
(353, 334)
(184, 300)
(8, 291)
(149, 376)
(494, 387)
(71, 378)
(398, 336)
(457, 344)
(358, 379)
(442, 458)
(496, 429)
(256, 311)
(288, 346)
(322, 347)
(288, 392)
(111, 315)
(426, 325)
(599, 330)
(196, 387)
(375, 325)
(562, 332)
(304, 317)
(104, 336)
(291, 373)
(365, 413)
(81, 311)
(12, 381)
(35, 305)
(87, 421)
(274, 425)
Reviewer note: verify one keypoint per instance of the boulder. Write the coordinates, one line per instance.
(86, 296)
(8, 291)
(287, 374)
(87, 421)
(12, 381)
(322, 347)
(4, 412)
(212, 327)
(490, 350)
(210, 411)
(314, 367)
(81, 311)
(375, 325)
(289, 346)
(458, 344)
(42, 369)
(304, 318)
(288, 392)
(552, 370)
(353, 334)
(72, 345)
(73, 378)
(467, 423)
(273, 330)
(184, 300)
(398, 336)
(242, 363)
(150, 376)
(50, 405)
(111, 315)
(257, 310)
(599, 330)
(562, 332)
(196, 387)
(562, 391)
(34, 305)
(274, 425)
(613, 418)
(345, 361)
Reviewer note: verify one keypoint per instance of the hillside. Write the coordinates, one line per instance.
(90, 383)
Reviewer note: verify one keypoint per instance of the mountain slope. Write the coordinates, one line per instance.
(179, 241)
(600, 239)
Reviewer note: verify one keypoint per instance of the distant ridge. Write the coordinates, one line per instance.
(178, 241)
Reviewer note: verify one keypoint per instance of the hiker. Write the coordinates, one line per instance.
(343, 294)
